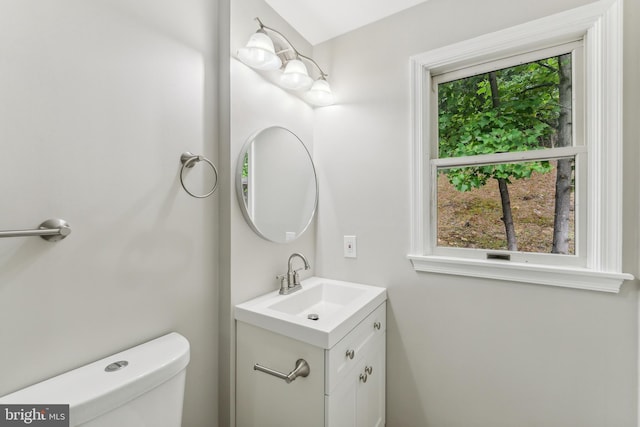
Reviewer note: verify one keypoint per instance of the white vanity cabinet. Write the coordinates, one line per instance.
(355, 378)
(345, 386)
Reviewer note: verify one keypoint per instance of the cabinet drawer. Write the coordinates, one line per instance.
(348, 352)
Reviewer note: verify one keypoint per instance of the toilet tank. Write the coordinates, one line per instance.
(141, 386)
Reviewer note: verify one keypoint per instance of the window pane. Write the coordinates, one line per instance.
(520, 108)
(472, 208)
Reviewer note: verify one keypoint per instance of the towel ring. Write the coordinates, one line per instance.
(189, 160)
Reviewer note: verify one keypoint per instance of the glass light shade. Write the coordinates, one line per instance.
(295, 76)
(320, 93)
(260, 53)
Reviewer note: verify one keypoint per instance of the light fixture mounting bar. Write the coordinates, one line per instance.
(263, 27)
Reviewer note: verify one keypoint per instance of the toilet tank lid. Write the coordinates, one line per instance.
(91, 391)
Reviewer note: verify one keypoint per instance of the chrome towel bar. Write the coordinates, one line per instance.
(301, 370)
(51, 230)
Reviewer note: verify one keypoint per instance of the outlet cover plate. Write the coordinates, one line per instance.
(350, 247)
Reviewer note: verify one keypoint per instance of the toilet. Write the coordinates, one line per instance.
(141, 386)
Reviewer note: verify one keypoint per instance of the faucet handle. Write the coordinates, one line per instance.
(296, 277)
(283, 283)
(282, 278)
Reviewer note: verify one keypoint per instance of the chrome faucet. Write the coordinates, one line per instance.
(290, 282)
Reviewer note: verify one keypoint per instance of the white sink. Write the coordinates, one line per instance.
(339, 306)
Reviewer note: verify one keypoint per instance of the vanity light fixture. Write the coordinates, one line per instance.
(260, 53)
(295, 76)
(320, 93)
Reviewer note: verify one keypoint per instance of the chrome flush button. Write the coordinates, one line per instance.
(116, 366)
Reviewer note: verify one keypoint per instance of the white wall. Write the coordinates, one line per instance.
(97, 102)
(461, 351)
(250, 266)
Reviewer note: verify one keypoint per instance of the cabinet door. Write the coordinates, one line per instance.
(370, 390)
(359, 399)
(348, 352)
(341, 404)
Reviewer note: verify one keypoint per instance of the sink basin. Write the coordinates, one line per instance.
(323, 299)
(320, 314)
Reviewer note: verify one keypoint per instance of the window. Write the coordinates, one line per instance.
(500, 123)
(489, 118)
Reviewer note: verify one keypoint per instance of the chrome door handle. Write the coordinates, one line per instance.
(350, 354)
(363, 378)
(377, 326)
(368, 370)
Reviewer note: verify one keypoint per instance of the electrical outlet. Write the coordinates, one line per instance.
(350, 247)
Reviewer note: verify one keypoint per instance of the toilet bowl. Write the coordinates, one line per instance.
(141, 386)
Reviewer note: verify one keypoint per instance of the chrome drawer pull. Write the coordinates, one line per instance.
(368, 370)
(350, 354)
(377, 326)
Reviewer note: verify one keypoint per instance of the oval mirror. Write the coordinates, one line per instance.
(276, 184)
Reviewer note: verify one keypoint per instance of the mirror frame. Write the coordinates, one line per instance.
(240, 193)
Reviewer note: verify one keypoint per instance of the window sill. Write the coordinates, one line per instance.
(577, 278)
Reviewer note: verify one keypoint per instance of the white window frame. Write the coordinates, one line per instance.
(576, 151)
(600, 26)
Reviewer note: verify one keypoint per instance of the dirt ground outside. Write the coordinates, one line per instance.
(473, 219)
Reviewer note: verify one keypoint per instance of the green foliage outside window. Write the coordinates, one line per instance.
(521, 116)
(520, 108)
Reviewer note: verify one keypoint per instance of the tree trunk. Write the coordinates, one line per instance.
(507, 218)
(564, 166)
